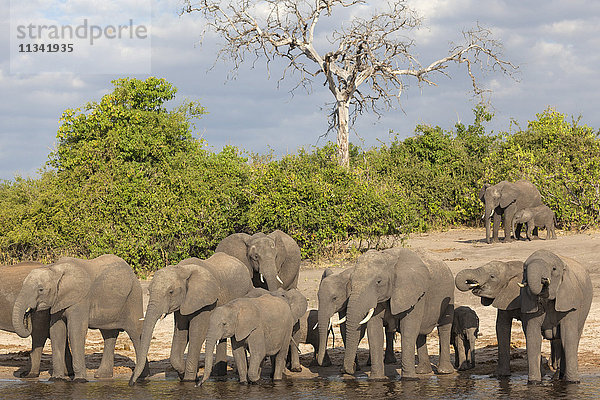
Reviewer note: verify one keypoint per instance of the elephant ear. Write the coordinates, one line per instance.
(280, 247)
(529, 302)
(569, 291)
(508, 299)
(326, 273)
(202, 290)
(235, 246)
(248, 319)
(411, 281)
(508, 196)
(73, 285)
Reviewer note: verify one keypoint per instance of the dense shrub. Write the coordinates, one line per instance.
(128, 178)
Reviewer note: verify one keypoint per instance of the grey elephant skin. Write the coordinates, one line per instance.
(191, 290)
(502, 201)
(418, 289)
(262, 325)
(555, 302)
(333, 294)
(10, 286)
(102, 293)
(465, 330)
(273, 260)
(536, 217)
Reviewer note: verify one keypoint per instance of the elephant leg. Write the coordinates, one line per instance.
(40, 322)
(179, 343)
(76, 332)
(496, 227)
(58, 340)
(570, 334)
(409, 326)
(375, 338)
(257, 349)
(444, 332)
(424, 365)
(460, 354)
(108, 355)
(280, 357)
(220, 368)
(390, 357)
(197, 334)
(295, 358)
(509, 214)
(533, 339)
(503, 327)
(241, 363)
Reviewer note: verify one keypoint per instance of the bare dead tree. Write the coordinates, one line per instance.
(374, 52)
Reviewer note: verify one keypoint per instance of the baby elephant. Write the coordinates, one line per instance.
(540, 216)
(465, 329)
(306, 331)
(262, 325)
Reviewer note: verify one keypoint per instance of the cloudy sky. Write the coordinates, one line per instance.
(556, 45)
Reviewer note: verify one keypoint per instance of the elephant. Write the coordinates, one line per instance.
(497, 284)
(273, 260)
(536, 217)
(332, 295)
(262, 325)
(418, 290)
(191, 290)
(10, 286)
(556, 295)
(465, 330)
(503, 200)
(101, 293)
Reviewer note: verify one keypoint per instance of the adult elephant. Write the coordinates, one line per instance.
(555, 300)
(191, 290)
(497, 283)
(273, 260)
(502, 201)
(102, 293)
(10, 286)
(333, 294)
(419, 290)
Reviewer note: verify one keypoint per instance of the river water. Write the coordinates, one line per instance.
(442, 387)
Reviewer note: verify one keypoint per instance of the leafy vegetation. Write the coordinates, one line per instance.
(128, 177)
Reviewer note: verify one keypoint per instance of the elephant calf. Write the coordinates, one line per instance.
(262, 325)
(540, 216)
(465, 329)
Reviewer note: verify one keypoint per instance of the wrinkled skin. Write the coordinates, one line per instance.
(465, 330)
(502, 201)
(102, 293)
(418, 290)
(333, 294)
(262, 325)
(536, 217)
(273, 260)
(191, 290)
(555, 302)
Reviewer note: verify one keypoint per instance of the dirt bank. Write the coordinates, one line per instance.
(459, 248)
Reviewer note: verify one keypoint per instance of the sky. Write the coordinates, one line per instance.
(556, 45)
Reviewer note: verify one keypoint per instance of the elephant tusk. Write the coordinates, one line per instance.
(368, 317)
(279, 280)
(473, 285)
(491, 214)
(142, 319)
(341, 321)
(262, 279)
(330, 325)
(522, 284)
(315, 327)
(28, 310)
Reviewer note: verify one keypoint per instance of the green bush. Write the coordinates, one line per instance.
(128, 177)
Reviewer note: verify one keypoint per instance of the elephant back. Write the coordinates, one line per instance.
(232, 275)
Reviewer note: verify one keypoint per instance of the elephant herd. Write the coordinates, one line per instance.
(247, 292)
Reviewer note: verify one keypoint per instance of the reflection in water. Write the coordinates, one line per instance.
(434, 387)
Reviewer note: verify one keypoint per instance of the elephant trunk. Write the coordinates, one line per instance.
(324, 319)
(269, 274)
(21, 317)
(534, 280)
(150, 320)
(358, 308)
(212, 339)
(467, 279)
